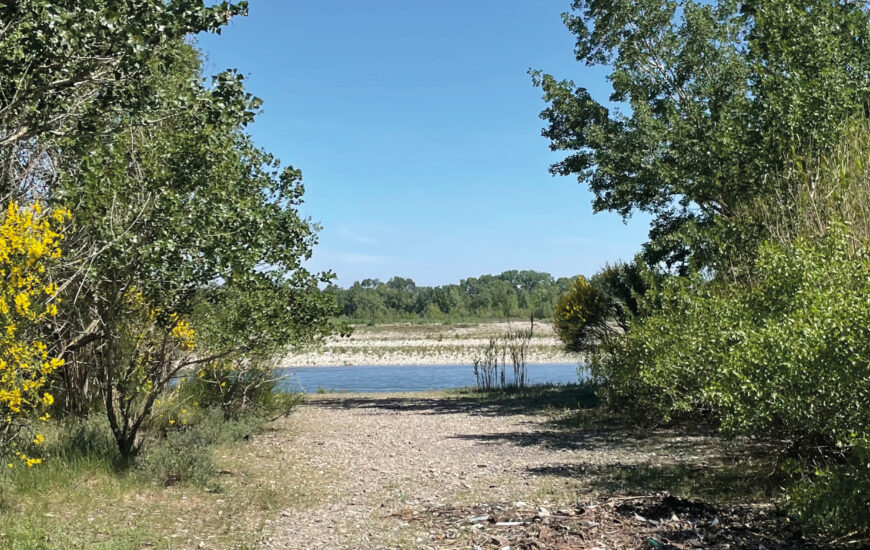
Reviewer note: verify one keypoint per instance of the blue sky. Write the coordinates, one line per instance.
(416, 128)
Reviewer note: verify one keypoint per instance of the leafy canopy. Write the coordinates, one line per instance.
(712, 97)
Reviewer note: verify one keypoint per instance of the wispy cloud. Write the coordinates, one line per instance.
(573, 240)
(361, 239)
(356, 236)
(355, 258)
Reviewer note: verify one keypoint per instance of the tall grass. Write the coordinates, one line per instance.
(818, 192)
(490, 369)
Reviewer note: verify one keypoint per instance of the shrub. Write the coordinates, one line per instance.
(835, 499)
(587, 317)
(29, 245)
(782, 356)
(185, 456)
(593, 312)
(239, 387)
(582, 316)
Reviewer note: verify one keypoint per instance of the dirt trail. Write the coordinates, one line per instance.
(391, 465)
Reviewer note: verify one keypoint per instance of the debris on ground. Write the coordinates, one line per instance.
(661, 522)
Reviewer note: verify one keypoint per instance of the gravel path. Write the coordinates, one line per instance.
(379, 458)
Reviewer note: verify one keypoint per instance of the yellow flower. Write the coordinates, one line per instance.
(29, 239)
(184, 334)
(22, 304)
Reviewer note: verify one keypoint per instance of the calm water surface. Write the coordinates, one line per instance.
(370, 378)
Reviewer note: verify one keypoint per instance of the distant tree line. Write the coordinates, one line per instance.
(529, 294)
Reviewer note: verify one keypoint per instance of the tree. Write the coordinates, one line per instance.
(180, 217)
(76, 67)
(717, 95)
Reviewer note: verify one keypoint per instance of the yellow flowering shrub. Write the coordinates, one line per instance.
(151, 342)
(582, 316)
(183, 333)
(30, 239)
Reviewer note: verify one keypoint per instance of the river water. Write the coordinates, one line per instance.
(371, 378)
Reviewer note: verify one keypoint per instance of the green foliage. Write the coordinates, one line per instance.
(72, 69)
(782, 357)
(185, 456)
(711, 99)
(822, 190)
(510, 294)
(184, 453)
(594, 311)
(239, 388)
(775, 345)
(582, 316)
(834, 498)
(177, 211)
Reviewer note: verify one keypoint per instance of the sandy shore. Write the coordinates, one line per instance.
(431, 344)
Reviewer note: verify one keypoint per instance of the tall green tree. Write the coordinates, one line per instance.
(185, 217)
(186, 243)
(77, 67)
(711, 98)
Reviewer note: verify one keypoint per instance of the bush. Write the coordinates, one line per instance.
(835, 499)
(238, 388)
(784, 356)
(593, 312)
(184, 452)
(582, 317)
(185, 456)
(30, 246)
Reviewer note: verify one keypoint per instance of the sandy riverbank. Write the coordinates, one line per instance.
(426, 344)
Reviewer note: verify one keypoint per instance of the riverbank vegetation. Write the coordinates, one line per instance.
(510, 295)
(747, 141)
(152, 267)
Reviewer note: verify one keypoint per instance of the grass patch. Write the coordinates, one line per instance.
(200, 486)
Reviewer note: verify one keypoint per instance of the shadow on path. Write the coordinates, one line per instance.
(527, 401)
